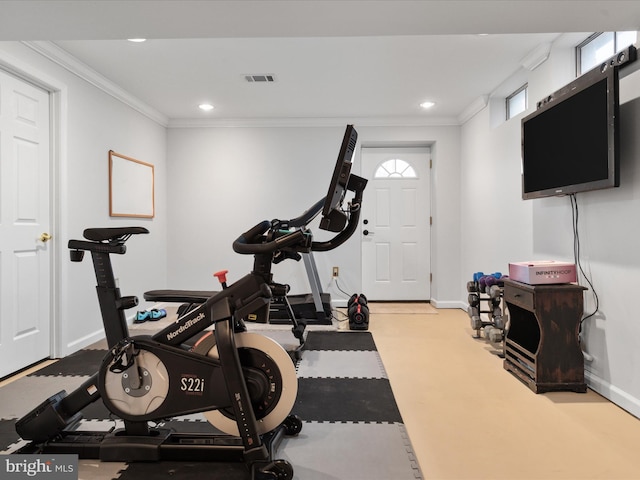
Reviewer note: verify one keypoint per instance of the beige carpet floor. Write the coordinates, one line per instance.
(401, 307)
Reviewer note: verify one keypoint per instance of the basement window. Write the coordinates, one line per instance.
(600, 46)
(516, 103)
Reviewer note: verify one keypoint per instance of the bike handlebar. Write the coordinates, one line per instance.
(342, 236)
(307, 216)
(250, 242)
(246, 244)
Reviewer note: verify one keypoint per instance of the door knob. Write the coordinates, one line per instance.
(45, 237)
(367, 232)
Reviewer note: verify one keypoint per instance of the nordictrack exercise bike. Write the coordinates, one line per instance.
(244, 383)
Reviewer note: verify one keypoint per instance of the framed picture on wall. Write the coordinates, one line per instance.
(131, 187)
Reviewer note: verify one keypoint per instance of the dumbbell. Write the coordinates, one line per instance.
(495, 292)
(477, 275)
(489, 281)
(359, 298)
(476, 321)
(493, 334)
(358, 312)
(473, 299)
(499, 321)
(474, 310)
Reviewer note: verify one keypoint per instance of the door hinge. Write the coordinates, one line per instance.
(431, 277)
(430, 220)
(430, 163)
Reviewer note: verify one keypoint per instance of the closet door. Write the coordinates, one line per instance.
(25, 246)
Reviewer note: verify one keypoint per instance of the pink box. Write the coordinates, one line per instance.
(542, 272)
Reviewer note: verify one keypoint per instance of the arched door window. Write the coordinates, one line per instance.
(395, 168)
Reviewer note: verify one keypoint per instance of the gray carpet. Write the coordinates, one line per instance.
(352, 427)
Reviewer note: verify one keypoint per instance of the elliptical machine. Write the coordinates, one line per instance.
(244, 383)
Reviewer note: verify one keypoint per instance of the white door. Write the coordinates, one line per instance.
(395, 224)
(24, 216)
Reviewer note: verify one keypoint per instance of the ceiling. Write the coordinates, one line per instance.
(349, 59)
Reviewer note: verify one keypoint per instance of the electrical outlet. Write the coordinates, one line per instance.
(336, 272)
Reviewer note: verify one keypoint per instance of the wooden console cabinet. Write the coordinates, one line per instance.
(541, 346)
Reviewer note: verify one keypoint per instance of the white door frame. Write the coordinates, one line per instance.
(58, 154)
(400, 146)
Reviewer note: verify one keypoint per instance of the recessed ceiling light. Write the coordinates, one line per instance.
(205, 106)
(137, 40)
(426, 105)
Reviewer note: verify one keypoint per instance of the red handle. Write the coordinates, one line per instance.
(221, 276)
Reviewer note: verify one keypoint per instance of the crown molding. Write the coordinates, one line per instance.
(67, 61)
(537, 56)
(475, 107)
(312, 122)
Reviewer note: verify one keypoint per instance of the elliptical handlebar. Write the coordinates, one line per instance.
(341, 237)
(306, 218)
(249, 243)
(356, 185)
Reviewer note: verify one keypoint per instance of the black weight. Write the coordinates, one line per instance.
(357, 298)
(358, 317)
(354, 310)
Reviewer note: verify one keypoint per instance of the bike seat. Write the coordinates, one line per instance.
(178, 296)
(102, 234)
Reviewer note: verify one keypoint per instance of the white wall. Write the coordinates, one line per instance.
(499, 227)
(92, 123)
(496, 225)
(224, 180)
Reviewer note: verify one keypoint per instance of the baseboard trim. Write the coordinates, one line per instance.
(83, 342)
(621, 398)
(339, 303)
(449, 304)
(342, 303)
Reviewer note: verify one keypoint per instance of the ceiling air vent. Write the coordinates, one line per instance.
(260, 78)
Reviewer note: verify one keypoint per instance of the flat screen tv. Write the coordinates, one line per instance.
(570, 143)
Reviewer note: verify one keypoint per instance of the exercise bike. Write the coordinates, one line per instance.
(244, 383)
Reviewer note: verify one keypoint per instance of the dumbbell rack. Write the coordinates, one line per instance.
(494, 328)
